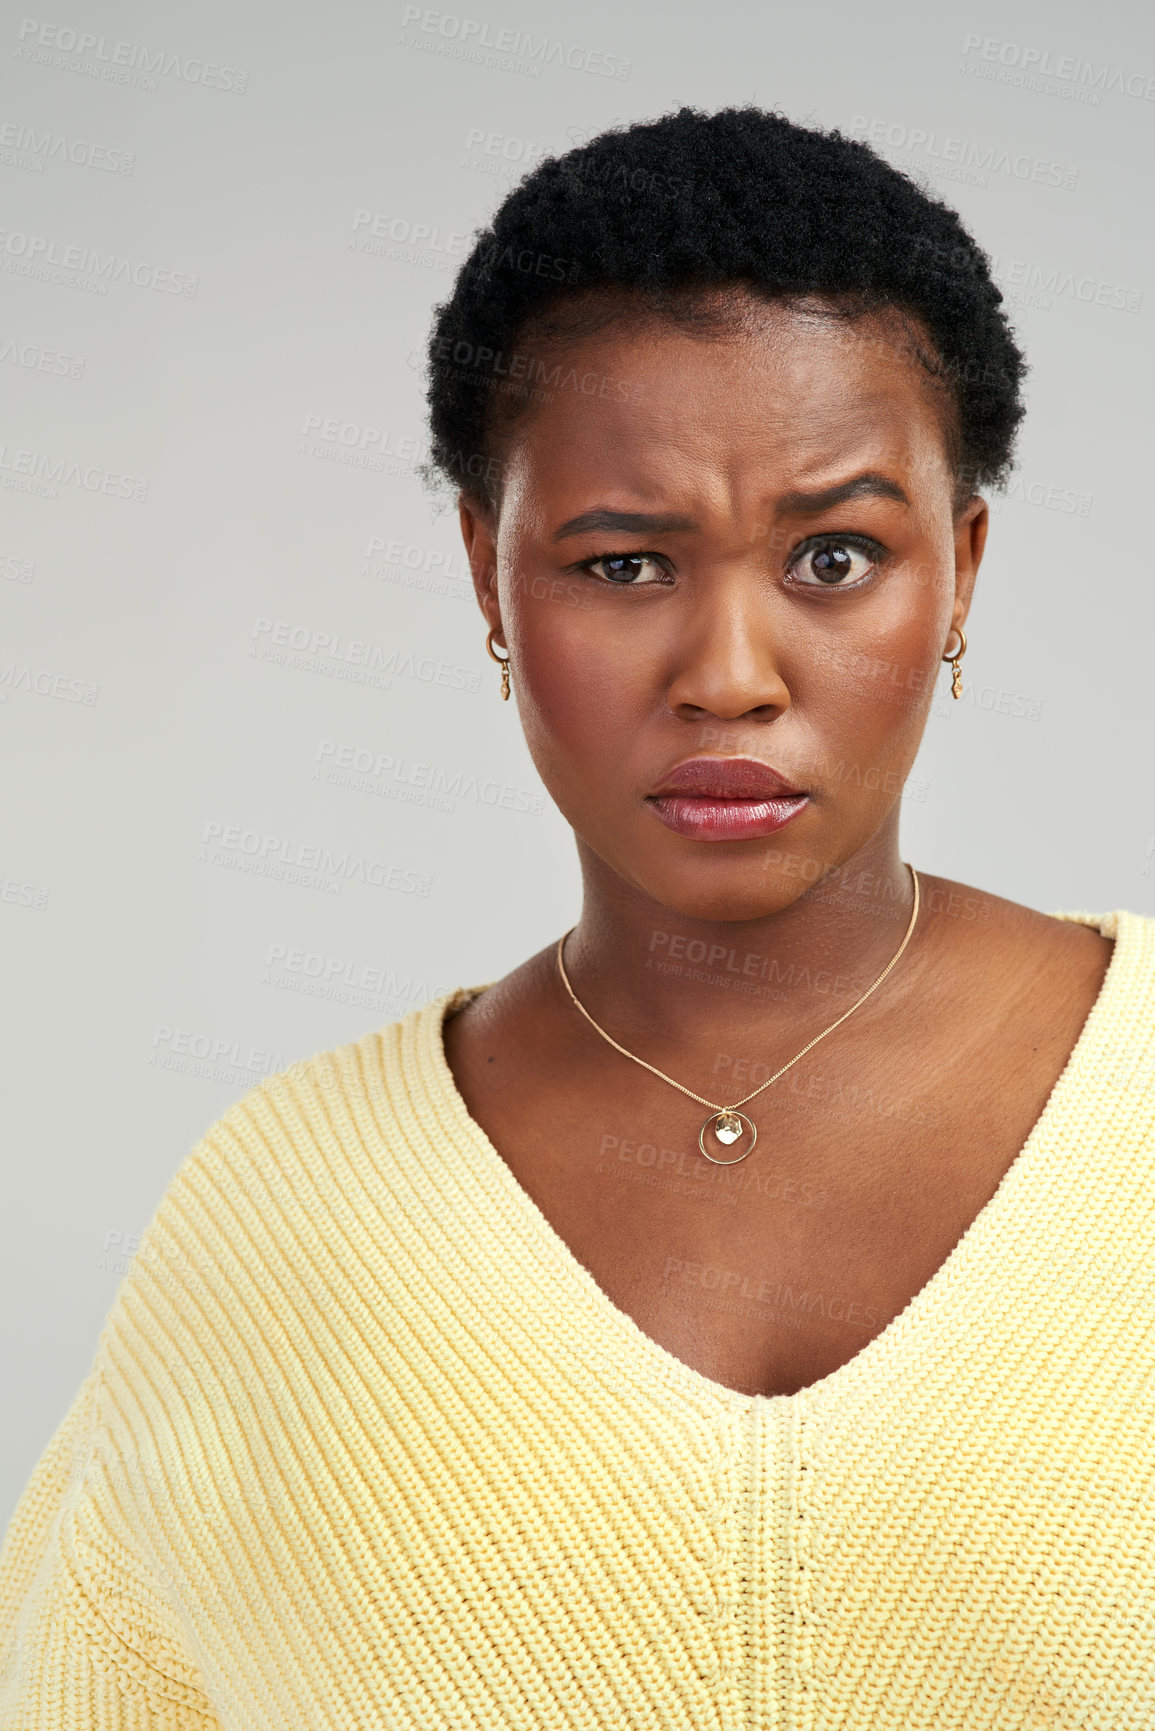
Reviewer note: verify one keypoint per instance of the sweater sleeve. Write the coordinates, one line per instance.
(89, 1628)
(90, 1636)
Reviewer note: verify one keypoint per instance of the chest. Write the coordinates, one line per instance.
(875, 1155)
(769, 1274)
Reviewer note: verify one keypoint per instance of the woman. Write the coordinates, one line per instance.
(740, 1314)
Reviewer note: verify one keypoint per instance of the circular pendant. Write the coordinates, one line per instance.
(727, 1128)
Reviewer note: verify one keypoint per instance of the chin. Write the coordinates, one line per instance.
(750, 893)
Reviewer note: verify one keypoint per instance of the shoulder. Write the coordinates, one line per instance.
(294, 1211)
(961, 915)
(1088, 974)
(344, 1103)
(281, 1171)
(1015, 967)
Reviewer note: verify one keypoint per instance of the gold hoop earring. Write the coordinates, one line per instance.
(956, 670)
(502, 662)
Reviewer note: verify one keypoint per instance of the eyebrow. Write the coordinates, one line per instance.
(869, 484)
(625, 523)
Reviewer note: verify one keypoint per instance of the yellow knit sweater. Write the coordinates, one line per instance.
(365, 1447)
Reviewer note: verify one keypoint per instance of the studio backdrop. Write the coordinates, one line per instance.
(261, 794)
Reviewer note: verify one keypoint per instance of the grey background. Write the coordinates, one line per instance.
(235, 145)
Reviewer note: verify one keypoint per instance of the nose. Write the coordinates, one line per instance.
(726, 662)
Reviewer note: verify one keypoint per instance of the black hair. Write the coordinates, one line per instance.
(666, 215)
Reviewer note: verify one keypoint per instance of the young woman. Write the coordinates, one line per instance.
(741, 1314)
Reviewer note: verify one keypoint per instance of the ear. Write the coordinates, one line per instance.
(970, 538)
(479, 532)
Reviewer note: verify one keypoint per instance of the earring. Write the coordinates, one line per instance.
(502, 662)
(956, 670)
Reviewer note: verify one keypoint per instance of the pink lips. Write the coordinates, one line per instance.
(725, 799)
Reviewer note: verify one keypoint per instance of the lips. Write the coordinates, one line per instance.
(725, 799)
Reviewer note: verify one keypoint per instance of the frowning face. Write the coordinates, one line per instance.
(726, 577)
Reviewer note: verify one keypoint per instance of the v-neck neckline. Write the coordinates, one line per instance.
(512, 1205)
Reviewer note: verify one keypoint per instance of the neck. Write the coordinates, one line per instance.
(664, 980)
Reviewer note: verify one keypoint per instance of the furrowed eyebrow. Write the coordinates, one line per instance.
(870, 482)
(795, 504)
(624, 523)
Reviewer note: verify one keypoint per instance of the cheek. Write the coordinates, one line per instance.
(879, 685)
(585, 691)
(882, 671)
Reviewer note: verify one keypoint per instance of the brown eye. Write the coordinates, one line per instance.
(833, 564)
(629, 570)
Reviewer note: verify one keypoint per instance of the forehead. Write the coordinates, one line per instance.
(772, 399)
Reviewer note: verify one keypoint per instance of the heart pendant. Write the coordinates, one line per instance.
(728, 1127)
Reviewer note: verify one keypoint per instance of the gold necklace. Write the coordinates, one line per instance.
(727, 1122)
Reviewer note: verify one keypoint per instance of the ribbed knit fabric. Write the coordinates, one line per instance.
(364, 1446)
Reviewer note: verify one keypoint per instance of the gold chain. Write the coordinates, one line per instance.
(702, 1101)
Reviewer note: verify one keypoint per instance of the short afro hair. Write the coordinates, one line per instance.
(662, 216)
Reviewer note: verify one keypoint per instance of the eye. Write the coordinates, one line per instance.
(628, 570)
(834, 561)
